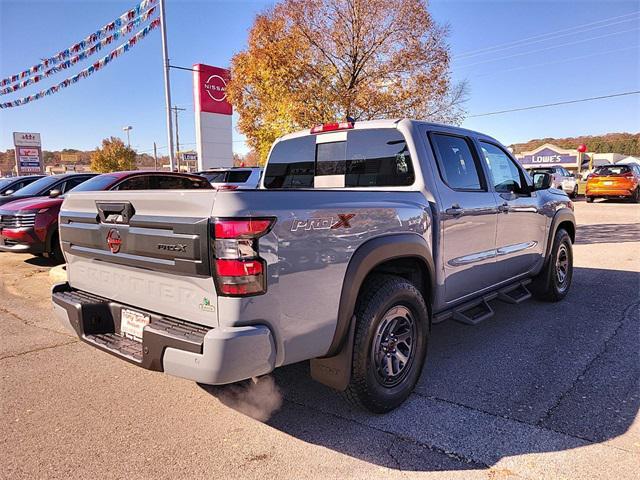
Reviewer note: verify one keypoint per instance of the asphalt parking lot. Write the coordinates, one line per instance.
(538, 391)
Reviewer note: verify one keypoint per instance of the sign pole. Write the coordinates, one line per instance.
(167, 84)
(155, 156)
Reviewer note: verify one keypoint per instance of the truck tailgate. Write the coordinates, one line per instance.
(149, 249)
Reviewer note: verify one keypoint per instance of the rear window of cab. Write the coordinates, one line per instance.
(360, 158)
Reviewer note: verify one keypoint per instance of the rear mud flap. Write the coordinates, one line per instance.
(335, 371)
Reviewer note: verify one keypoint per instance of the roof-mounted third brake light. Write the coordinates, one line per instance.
(332, 127)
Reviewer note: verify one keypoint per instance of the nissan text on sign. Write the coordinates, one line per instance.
(213, 117)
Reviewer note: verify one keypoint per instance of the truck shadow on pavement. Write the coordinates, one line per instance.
(42, 261)
(537, 377)
(607, 233)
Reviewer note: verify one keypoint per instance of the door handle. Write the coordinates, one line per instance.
(454, 210)
(504, 208)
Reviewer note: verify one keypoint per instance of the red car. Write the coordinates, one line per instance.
(31, 225)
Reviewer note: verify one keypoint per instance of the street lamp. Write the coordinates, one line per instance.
(128, 129)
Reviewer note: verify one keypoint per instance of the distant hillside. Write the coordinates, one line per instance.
(624, 143)
(54, 158)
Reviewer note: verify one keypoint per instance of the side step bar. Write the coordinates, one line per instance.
(517, 294)
(479, 310)
(475, 314)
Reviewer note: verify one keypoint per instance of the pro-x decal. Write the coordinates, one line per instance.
(330, 223)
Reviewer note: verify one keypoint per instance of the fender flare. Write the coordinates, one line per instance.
(334, 369)
(562, 215)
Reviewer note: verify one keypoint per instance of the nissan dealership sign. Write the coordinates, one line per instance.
(213, 116)
(211, 95)
(549, 155)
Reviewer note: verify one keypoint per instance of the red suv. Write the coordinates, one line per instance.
(31, 225)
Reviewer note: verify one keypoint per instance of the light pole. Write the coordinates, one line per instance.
(167, 83)
(175, 111)
(128, 129)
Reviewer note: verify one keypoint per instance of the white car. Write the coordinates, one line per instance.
(560, 179)
(233, 178)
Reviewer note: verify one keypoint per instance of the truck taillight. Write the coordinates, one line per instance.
(246, 228)
(239, 269)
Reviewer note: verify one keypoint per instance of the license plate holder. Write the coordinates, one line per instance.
(608, 182)
(132, 324)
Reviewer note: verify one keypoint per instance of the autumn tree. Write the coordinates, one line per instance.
(113, 156)
(623, 143)
(249, 159)
(309, 62)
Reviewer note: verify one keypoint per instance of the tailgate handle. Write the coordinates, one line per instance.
(120, 212)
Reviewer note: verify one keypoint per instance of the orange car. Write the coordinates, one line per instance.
(614, 181)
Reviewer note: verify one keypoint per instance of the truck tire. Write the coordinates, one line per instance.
(56, 250)
(553, 282)
(590, 199)
(390, 343)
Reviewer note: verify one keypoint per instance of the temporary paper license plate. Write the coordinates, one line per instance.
(609, 182)
(132, 323)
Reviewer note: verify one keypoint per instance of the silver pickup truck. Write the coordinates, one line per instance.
(359, 238)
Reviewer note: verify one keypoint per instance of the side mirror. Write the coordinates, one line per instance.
(542, 181)
(9, 192)
(55, 193)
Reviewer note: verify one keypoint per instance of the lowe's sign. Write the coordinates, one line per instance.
(547, 155)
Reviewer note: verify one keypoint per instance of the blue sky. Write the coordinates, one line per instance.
(561, 55)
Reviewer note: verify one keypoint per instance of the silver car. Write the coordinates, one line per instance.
(239, 178)
(561, 179)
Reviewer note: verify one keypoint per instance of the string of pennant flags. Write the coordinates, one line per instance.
(125, 47)
(126, 29)
(62, 55)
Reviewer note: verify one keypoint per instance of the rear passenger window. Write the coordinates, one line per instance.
(457, 166)
(175, 182)
(238, 177)
(291, 163)
(368, 158)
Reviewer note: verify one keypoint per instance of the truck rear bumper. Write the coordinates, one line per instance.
(214, 356)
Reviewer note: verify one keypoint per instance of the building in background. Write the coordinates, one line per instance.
(548, 155)
(188, 161)
(58, 169)
(629, 160)
(605, 158)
